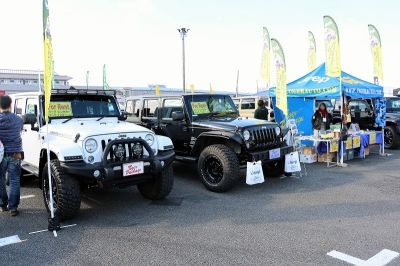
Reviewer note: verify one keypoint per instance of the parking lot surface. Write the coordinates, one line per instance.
(284, 221)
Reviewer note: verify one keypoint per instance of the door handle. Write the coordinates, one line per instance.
(25, 130)
(163, 125)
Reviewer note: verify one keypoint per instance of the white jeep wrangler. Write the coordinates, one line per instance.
(91, 146)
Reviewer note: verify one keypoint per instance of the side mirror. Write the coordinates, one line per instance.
(178, 116)
(123, 116)
(29, 119)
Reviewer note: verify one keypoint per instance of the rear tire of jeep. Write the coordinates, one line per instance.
(218, 168)
(391, 138)
(160, 186)
(66, 192)
(275, 169)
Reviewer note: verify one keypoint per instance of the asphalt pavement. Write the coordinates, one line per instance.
(284, 221)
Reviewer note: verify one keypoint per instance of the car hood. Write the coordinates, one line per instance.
(393, 115)
(87, 128)
(240, 122)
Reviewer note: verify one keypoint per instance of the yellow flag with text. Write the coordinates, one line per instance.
(211, 89)
(280, 66)
(157, 90)
(48, 58)
(376, 50)
(192, 88)
(332, 48)
(312, 52)
(265, 58)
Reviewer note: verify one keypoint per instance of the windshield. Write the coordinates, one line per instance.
(327, 103)
(393, 105)
(203, 107)
(82, 106)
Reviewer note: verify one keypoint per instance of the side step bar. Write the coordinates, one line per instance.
(186, 159)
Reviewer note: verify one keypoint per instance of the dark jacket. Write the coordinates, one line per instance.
(10, 132)
(317, 121)
(261, 113)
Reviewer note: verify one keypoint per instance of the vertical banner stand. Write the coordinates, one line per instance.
(341, 125)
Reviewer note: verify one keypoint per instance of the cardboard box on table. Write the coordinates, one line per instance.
(326, 157)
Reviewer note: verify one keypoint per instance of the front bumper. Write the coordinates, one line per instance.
(265, 155)
(110, 168)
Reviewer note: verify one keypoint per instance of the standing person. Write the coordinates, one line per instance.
(10, 135)
(261, 112)
(320, 121)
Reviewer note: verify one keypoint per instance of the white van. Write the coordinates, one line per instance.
(247, 105)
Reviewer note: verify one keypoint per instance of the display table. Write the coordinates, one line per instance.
(365, 142)
(323, 144)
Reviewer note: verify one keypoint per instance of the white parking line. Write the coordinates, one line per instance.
(9, 240)
(28, 196)
(380, 259)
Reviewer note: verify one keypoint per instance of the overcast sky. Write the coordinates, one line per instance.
(139, 42)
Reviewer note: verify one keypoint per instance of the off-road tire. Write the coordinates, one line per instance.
(160, 186)
(391, 138)
(275, 169)
(218, 168)
(66, 192)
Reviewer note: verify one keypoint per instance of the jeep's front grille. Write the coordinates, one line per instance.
(264, 136)
(129, 147)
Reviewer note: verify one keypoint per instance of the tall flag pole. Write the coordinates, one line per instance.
(105, 87)
(376, 50)
(48, 76)
(333, 66)
(312, 52)
(87, 80)
(280, 66)
(265, 58)
(211, 89)
(157, 90)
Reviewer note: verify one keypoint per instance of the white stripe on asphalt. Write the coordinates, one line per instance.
(28, 196)
(9, 240)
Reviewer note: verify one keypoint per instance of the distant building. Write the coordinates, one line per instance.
(16, 81)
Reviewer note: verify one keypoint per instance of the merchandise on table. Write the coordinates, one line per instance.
(326, 157)
(312, 158)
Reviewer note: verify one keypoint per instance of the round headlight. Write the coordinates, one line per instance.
(246, 134)
(149, 139)
(278, 131)
(91, 145)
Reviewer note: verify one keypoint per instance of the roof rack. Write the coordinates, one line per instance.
(72, 90)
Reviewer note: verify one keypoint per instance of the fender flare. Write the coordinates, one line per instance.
(63, 148)
(201, 139)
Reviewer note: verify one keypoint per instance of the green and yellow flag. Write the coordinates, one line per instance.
(48, 58)
(157, 90)
(376, 49)
(332, 48)
(192, 88)
(211, 89)
(312, 52)
(280, 65)
(105, 85)
(265, 59)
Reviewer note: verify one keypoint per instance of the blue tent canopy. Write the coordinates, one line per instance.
(262, 93)
(318, 85)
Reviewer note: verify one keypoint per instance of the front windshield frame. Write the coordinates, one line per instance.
(214, 105)
(96, 106)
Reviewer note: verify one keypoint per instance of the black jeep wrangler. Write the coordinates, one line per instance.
(206, 129)
(362, 111)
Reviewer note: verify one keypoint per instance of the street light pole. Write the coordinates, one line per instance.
(183, 32)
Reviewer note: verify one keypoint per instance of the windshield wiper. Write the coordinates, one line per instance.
(67, 120)
(100, 118)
